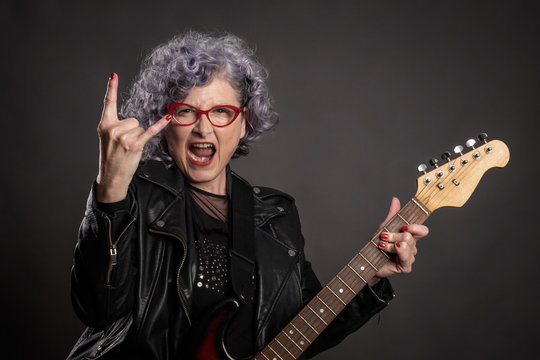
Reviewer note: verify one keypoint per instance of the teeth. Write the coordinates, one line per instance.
(202, 146)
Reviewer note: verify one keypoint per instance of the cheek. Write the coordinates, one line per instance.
(174, 140)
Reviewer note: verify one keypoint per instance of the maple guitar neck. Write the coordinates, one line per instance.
(448, 185)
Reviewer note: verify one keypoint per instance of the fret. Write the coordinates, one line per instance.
(328, 307)
(401, 217)
(332, 291)
(417, 202)
(386, 229)
(370, 264)
(312, 328)
(266, 357)
(301, 333)
(320, 318)
(360, 276)
(347, 285)
(274, 351)
(291, 339)
(287, 350)
(380, 251)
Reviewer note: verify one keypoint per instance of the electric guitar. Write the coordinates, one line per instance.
(449, 184)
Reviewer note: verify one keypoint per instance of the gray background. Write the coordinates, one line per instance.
(365, 90)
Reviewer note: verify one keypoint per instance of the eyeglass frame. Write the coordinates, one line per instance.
(200, 112)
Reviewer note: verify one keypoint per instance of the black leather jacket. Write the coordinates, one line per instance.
(134, 271)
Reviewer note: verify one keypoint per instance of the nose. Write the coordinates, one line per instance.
(203, 127)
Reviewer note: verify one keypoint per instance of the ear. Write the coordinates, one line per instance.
(244, 122)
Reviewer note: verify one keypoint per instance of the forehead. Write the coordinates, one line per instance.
(217, 92)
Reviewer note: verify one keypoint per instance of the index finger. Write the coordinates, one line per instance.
(109, 103)
(155, 128)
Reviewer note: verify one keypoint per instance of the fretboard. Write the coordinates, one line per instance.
(311, 321)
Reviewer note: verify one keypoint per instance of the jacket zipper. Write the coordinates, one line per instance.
(299, 288)
(178, 287)
(273, 231)
(112, 248)
(105, 344)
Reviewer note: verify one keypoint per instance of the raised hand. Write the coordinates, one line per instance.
(121, 143)
(402, 244)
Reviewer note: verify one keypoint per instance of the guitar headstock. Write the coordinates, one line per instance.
(453, 182)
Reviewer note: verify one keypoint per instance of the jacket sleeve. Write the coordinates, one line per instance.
(102, 276)
(368, 302)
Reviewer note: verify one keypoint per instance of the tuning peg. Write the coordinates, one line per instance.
(446, 156)
(459, 150)
(422, 168)
(483, 137)
(470, 143)
(434, 162)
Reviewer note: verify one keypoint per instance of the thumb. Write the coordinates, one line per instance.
(395, 205)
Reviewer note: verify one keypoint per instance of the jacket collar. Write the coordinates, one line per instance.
(169, 177)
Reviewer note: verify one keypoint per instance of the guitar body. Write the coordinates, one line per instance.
(208, 336)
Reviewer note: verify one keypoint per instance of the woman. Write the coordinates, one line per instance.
(170, 231)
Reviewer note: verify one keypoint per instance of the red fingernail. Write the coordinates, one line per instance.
(169, 117)
(385, 236)
(112, 76)
(382, 244)
(398, 245)
(404, 228)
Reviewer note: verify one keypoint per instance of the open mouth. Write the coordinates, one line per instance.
(201, 154)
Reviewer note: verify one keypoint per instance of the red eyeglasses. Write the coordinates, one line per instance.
(219, 116)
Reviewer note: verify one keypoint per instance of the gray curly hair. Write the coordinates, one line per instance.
(193, 59)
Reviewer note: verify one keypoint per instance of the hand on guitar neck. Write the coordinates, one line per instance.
(402, 244)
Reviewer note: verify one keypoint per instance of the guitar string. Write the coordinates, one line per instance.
(459, 174)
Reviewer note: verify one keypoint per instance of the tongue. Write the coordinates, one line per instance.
(202, 152)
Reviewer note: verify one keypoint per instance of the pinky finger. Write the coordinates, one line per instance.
(405, 255)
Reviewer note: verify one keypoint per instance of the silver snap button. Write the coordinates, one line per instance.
(146, 173)
(292, 252)
(256, 190)
(280, 209)
(160, 223)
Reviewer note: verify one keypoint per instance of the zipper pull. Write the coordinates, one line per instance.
(113, 254)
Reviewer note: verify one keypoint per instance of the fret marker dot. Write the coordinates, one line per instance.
(291, 332)
(274, 358)
(362, 268)
(341, 291)
(301, 342)
(321, 311)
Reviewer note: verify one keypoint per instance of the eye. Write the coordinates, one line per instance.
(184, 111)
(223, 111)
